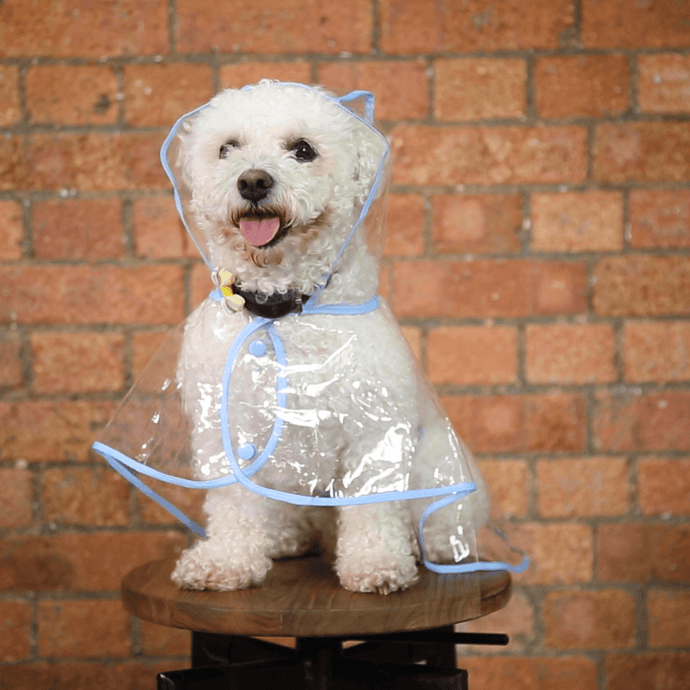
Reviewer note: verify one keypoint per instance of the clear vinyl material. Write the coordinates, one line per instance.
(324, 405)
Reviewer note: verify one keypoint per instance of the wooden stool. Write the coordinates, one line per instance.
(302, 598)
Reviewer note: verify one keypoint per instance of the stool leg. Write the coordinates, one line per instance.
(319, 656)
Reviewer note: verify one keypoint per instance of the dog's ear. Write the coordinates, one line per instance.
(370, 151)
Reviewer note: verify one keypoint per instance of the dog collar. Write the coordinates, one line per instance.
(272, 306)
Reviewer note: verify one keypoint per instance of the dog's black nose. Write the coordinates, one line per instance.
(254, 185)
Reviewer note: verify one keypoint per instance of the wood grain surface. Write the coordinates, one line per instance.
(303, 598)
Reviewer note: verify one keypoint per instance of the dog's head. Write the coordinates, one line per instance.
(276, 176)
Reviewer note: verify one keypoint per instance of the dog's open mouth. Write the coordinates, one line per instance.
(262, 230)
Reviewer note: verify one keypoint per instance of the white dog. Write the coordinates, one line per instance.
(277, 176)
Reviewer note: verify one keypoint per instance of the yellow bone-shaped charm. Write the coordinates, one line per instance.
(225, 282)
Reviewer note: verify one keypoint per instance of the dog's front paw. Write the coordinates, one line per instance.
(378, 573)
(202, 567)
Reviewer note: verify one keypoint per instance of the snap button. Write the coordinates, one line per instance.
(257, 348)
(247, 451)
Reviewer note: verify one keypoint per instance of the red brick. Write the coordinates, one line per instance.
(412, 27)
(9, 95)
(425, 155)
(472, 355)
(13, 163)
(82, 362)
(663, 486)
(85, 496)
(624, 420)
(71, 95)
(81, 562)
(639, 285)
(16, 498)
(663, 83)
(85, 294)
(603, 619)
(658, 24)
(509, 485)
(11, 374)
(43, 430)
(583, 487)
(515, 620)
(277, 26)
(414, 340)
(477, 224)
(92, 161)
(668, 612)
(157, 95)
(15, 619)
(581, 85)
(158, 230)
(65, 229)
(401, 87)
(405, 225)
(660, 218)
(639, 552)
(559, 553)
(189, 501)
(486, 288)
(144, 346)
(12, 231)
(577, 222)
(239, 74)
(158, 640)
(83, 28)
(657, 351)
(563, 353)
(201, 283)
(480, 88)
(547, 673)
(648, 671)
(83, 629)
(514, 423)
(642, 152)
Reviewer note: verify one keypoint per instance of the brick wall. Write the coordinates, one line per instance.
(539, 233)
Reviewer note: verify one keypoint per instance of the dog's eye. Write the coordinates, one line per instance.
(303, 151)
(227, 146)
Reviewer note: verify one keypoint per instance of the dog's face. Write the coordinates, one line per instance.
(277, 175)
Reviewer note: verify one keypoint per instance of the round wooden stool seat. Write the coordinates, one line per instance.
(303, 598)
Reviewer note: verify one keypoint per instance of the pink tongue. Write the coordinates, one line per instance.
(259, 232)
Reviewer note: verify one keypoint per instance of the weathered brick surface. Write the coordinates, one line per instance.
(581, 86)
(156, 95)
(158, 640)
(472, 355)
(11, 373)
(9, 94)
(16, 498)
(83, 28)
(237, 75)
(79, 362)
(602, 619)
(83, 629)
(642, 152)
(577, 222)
(584, 486)
(509, 482)
(477, 224)
(663, 486)
(71, 95)
(480, 88)
(158, 230)
(668, 611)
(662, 671)
(625, 420)
(660, 218)
(404, 225)
(427, 155)
(657, 351)
(274, 27)
(66, 229)
(570, 353)
(663, 83)
(12, 230)
(15, 619)
(411, 27)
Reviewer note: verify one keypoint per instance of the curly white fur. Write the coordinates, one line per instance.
(355, 403)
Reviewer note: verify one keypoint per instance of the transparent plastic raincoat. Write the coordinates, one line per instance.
(314, 398)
